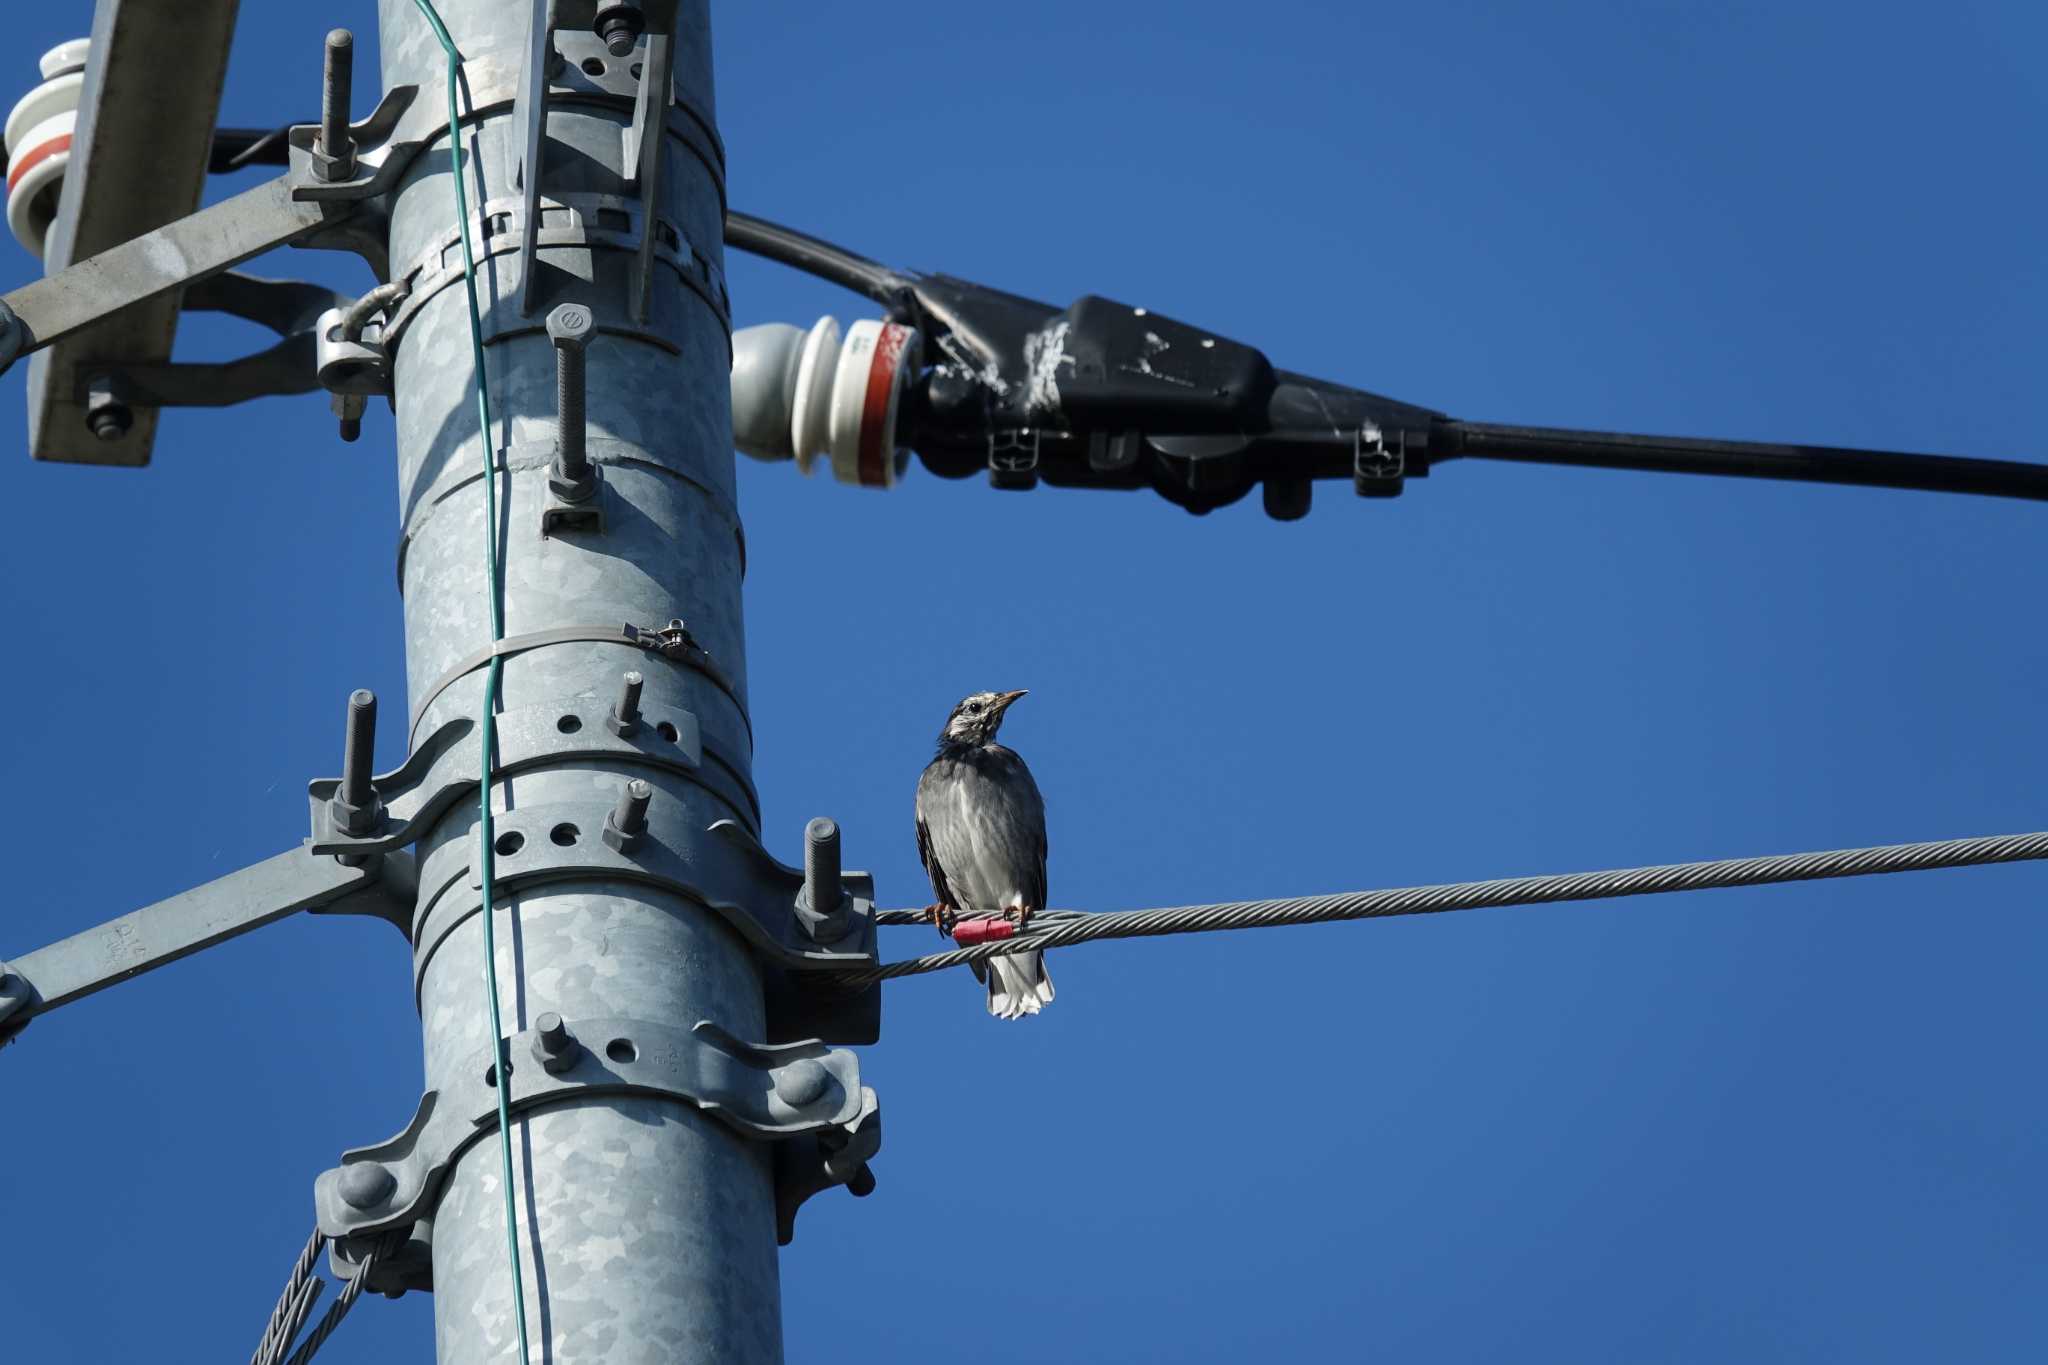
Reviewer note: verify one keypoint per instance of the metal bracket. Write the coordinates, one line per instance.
(560, 514)
(181, 253)
(723, 868)
(594, 222)
(1377, 469)
(805, 1166)
(531, 114)
(444, 768)
(291, 308)
(1013, 457)
(644, 148)
(384, 144)
(225, 908)
(766, 1093)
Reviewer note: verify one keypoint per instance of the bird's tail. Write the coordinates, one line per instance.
(1018, 985)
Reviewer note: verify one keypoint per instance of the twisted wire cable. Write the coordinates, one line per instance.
(301, 1309)
(288, 1302)
(1059, 929)
(337, 1310)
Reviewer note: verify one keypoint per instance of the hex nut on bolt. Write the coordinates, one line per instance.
(623, 719)
(626, 825)
(554, 1047)
(335, 153)
(107, 415)
(620, 26)
(355, 805)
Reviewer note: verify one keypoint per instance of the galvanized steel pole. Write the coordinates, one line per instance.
(646, 1228)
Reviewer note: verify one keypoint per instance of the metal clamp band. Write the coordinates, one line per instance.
(444, 769)
(767, 1093)
(723, 868)
(578, 221)
(672, 641)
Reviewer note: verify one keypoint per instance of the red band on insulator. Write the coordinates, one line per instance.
(876, 447)
(36, 155)
(969, 932)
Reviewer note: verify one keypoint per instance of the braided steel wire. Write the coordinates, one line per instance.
(1059, 929)
(289, 1308)
(336, 1311)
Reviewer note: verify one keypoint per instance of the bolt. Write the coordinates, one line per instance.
(822, 887)
(620, 26)
(627, 823)
(336, 90)
(801, 1083)
(626, 712)
(569, 328)
(631, 815)
(553, 1033)
(553, 1047)
(365, 1184)
(108, 417)
(356, 748)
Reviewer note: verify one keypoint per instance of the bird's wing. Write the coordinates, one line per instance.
(940, 892)
(1028, 816)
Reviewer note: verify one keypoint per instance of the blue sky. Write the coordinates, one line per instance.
(1779, 1124)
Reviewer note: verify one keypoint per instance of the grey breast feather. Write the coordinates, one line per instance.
(983, 824)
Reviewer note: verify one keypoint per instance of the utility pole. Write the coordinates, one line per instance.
(646, 1229)
(653, 1074)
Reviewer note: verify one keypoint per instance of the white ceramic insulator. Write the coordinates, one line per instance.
(804, 395)
(38, 135)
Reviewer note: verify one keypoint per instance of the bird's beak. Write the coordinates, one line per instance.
(1003, 702)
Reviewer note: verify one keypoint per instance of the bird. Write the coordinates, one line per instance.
(981, 836)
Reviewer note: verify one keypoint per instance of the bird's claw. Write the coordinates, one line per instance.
(943, 918)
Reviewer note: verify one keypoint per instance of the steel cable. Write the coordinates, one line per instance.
(288, 1308)
(336, 1311)
(1059, 929)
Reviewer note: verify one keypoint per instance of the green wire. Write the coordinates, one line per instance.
(486, 852)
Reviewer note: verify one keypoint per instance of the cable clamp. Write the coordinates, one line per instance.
(968, 932)
(1377, 467)
(802, 1095)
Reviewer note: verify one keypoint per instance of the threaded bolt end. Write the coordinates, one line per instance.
(336, 92)
(620, 28)
(631, 814)
(821, 865)
(358, 746)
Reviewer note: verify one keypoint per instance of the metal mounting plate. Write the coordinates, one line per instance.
(723, 868)
(444, 768)
(763, 1092)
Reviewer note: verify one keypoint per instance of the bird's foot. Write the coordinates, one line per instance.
(1019, 916)
(943, 918)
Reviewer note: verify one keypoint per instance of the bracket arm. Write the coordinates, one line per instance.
(192, 248)
(155, 935)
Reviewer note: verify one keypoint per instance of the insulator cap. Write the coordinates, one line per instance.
(38, 135)
(802, 394)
